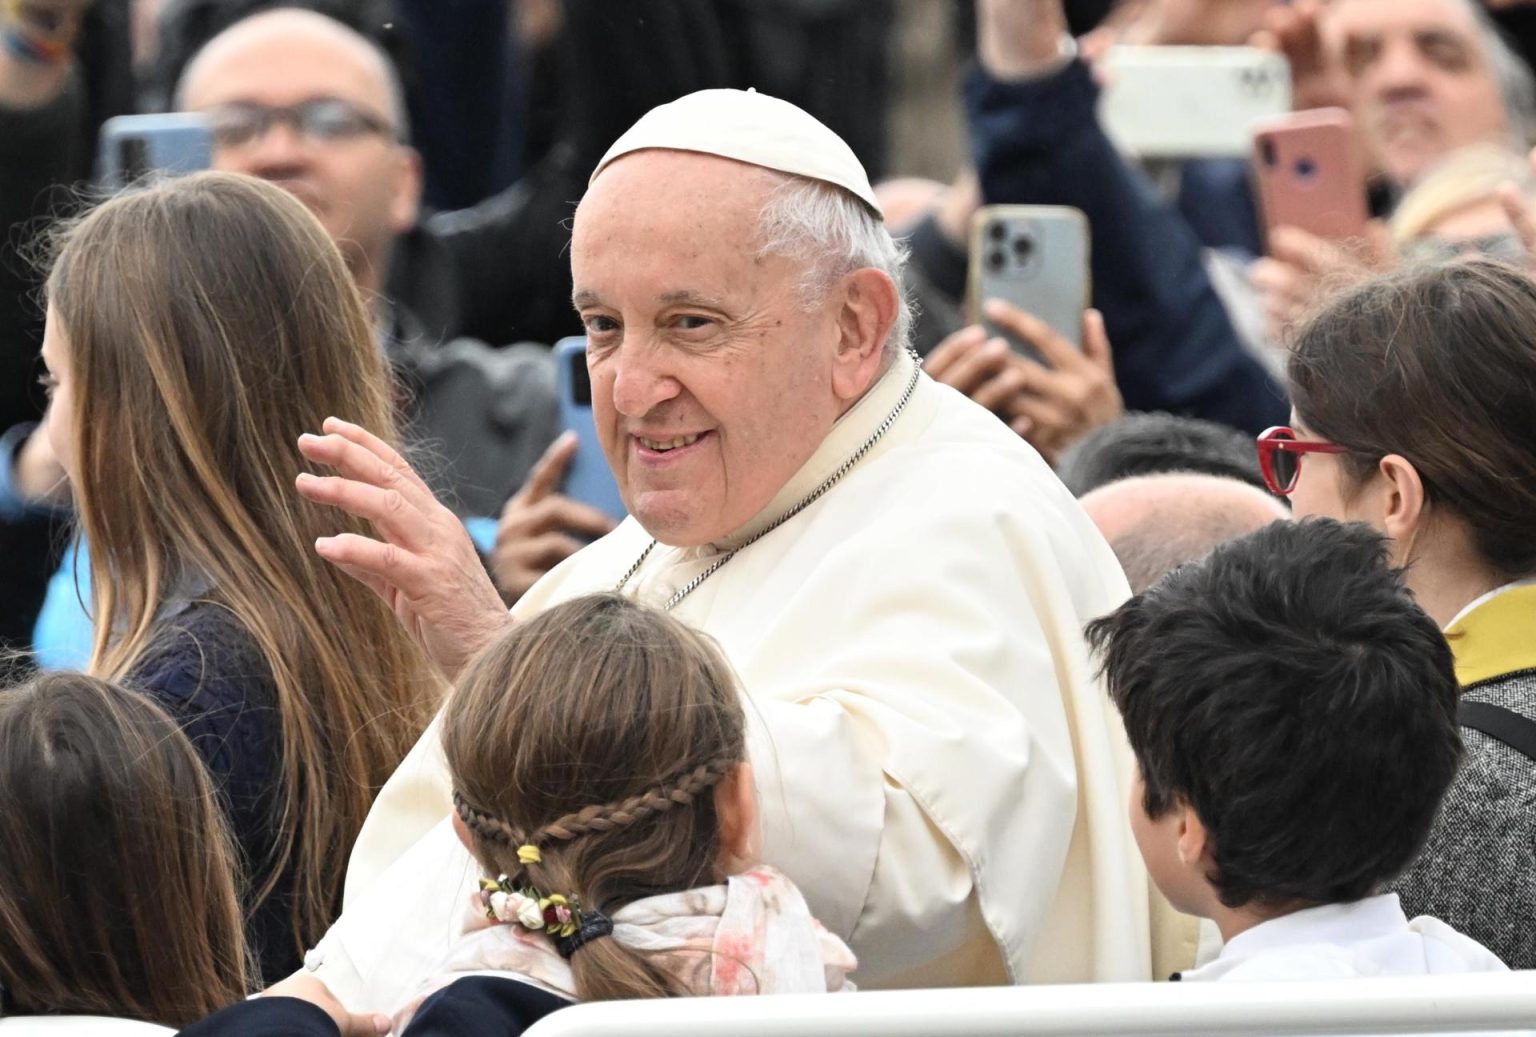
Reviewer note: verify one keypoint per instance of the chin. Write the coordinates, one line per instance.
(671, 519)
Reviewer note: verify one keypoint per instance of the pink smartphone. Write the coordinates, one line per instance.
(1310, 173)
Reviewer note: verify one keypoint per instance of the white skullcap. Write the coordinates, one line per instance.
(749, 127)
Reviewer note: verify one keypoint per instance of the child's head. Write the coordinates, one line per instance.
(1293, 716)
(117, 888)
(610, 737)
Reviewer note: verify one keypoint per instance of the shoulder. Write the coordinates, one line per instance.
(495, 1006)
(201, 653)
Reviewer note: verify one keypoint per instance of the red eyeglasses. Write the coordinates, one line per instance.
(1280, 457)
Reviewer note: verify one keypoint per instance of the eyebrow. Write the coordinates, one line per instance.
(586, 297)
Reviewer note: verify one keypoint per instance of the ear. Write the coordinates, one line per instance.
(736, 811)
(405, 203)
(1194, 839)
(1403, 504)
(461, 830)
(866, 315)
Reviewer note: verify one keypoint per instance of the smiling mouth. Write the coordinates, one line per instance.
(662, 446)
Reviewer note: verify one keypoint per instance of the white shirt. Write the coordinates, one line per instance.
(939, 771)
(1370, 937)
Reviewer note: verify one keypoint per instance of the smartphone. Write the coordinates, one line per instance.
(133, 145)
(1191, 102)
(1310, 174)
(588, 478)
(1036, 257)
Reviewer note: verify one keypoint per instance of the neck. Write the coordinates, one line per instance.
(1444, 590)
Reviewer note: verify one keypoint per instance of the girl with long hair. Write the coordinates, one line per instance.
(195, 329)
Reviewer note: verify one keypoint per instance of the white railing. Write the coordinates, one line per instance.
(1420, 1005)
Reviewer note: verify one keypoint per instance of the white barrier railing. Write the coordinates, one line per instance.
(1483, 1003)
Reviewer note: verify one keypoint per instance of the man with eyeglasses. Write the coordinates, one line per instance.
(298, 99)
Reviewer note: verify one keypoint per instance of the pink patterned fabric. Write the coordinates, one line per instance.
(752, 935)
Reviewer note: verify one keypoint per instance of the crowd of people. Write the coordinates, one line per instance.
(1200, 646)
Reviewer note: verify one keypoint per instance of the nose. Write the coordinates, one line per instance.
(276, 153)
(1401, 69)
(641, 378)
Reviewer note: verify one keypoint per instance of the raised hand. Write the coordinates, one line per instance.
(424, 564)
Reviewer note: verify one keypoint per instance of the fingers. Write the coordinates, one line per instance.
(365, 1025)
(978, 365)
(392, 514)
(999, 392)
(537, 554)
(1052, 346)
(1306, 251)
(555, 513)
(383, 567)
(371, 461)
(955, 346)
(549, 472)
(1096, 349)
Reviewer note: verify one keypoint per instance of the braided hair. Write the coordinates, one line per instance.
(596, 733)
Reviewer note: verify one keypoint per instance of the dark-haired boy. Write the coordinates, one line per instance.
(1293, 716)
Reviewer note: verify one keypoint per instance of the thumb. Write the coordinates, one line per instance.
(366, 1025)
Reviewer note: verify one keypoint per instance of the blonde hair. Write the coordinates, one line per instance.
(117, 884)
(1469, 176)
(595, 732)
(210, 321)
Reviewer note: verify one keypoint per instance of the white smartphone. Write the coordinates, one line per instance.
(1191, 102)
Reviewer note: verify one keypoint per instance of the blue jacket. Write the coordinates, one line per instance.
(1038, 142)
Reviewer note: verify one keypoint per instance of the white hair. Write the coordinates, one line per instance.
(833, 233)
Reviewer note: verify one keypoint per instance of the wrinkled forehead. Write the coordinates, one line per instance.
(1347, 20)
(674, 217)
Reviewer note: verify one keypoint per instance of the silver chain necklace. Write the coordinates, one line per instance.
(811, 498)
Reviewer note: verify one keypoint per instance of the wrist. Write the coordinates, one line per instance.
(1023, 39)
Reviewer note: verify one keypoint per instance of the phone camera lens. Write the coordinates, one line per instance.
(1306, 168)
(997, 231)
(1267, 152)
(997, 259)
(1023, 248)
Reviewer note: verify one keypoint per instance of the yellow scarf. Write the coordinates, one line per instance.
(1496, 636)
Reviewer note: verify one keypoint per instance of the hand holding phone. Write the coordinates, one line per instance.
(539, 527)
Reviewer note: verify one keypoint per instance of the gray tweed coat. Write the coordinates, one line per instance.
(1478, 870)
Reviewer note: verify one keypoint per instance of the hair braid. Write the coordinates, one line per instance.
(486, 826)
(609, 816)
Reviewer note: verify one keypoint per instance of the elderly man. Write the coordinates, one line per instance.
(899, 581)
(1156, 523)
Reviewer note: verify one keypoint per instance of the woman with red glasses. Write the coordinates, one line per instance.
(1414, 410)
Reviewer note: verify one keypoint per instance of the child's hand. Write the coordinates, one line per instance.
(307, 988)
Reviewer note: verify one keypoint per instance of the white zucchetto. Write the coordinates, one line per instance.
(749, 127)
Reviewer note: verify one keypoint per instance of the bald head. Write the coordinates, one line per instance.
(311, 39)
(1156, 523)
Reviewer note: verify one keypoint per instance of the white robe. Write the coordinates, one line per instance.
(938, 769)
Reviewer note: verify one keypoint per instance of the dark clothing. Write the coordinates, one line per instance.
(207, 672)
(1039, 142)
(485, 1006)
(1478, 870)
(478, 418)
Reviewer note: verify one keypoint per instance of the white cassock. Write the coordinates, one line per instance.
(939, 770)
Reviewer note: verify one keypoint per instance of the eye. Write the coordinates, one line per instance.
(693, 322)
(599, 324)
